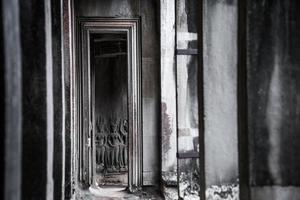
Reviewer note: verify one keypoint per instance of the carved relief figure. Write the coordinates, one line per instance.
(111, 145)
(114, 143)
(101, 143)
(123, 145)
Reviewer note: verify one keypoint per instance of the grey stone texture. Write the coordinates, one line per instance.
(220, 92)
(273, 98)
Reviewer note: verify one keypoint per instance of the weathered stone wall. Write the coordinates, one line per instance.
(220, 96)
(273, 98)
(168, 93)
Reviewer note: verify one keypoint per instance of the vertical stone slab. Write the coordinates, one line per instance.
(67, 70)
(151, 90)
(151, 157)
(220, 98)
(273, 99)
(168, 93)
(11, 61)
(34, 150)
(58, 124)
(2, 103)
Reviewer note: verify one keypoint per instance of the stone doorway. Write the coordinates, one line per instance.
(109, 85)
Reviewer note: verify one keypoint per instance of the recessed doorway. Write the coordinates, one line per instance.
(109, 101)
(109, 63)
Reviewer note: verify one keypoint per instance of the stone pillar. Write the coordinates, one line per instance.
(168, 98)
(220, 98)
(34, 103)
(12, 68)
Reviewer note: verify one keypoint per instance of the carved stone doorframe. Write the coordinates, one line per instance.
(85, 88)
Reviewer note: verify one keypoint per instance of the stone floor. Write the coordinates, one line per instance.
(148, 193)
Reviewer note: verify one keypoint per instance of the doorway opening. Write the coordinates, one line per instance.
(109, 65)
(109, 104)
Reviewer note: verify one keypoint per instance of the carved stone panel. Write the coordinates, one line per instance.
(111, 146)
